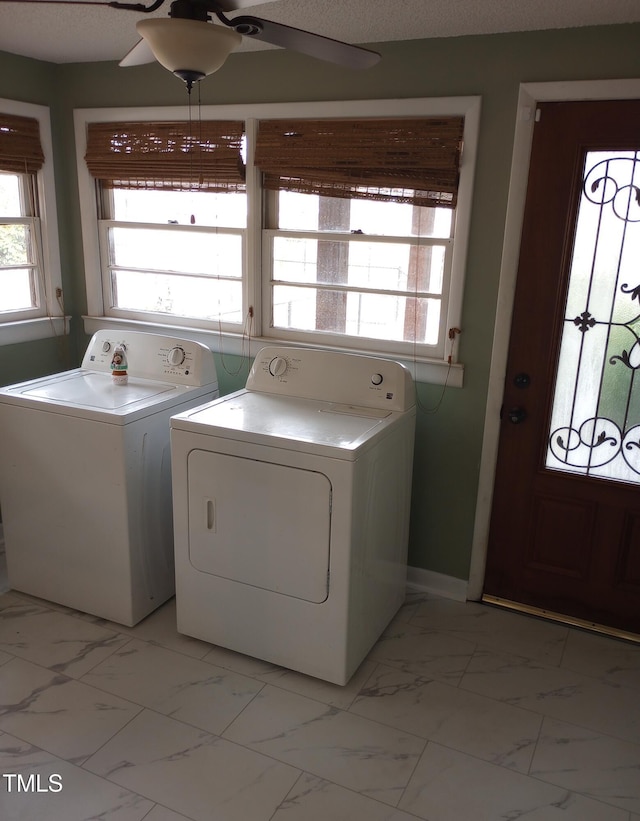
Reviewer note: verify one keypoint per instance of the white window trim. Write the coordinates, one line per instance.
(51, 321)
(423, 368)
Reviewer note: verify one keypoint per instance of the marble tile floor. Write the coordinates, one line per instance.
(461, 712)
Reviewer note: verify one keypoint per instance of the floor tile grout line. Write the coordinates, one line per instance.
(413, 772)
(564, 647)
(324, 778)
(136, 792)
(342, 710)
(466, 668)
(524, 775)
(127, 638)
(455, 633)
(293, 786)
(345, 709)
(303, 772)
(463, 690)
(251, 701)
(350, 790)
(80, 765)
(254, 678)
(535, 746)
(552, 667)
(157, 804)
(426, 740)
(99, 661)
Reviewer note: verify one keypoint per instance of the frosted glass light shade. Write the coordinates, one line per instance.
(188, 45)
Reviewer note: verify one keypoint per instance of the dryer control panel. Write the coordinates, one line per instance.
(153, 356)
(346, 379)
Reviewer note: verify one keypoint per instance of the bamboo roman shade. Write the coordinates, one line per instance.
(178, 156)
(20, 148)
(399, 160)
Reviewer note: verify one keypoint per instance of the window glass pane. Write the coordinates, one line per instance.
(19, 272)
(214, 254)
(9, 195)
(595, 419)
(309, 212)
(16, 293)
(197, 297)
(14, 245)
(382, 266)
(376, 316)
(180, 207)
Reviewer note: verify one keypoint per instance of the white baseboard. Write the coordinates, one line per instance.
(428, 581)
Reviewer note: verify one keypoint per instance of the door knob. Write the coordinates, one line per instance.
(517, 415)
(522, 380)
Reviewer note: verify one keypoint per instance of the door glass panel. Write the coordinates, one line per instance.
(595, 418)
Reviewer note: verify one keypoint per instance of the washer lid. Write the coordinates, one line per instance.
(95, 396)
(96, 390)
(285, 421)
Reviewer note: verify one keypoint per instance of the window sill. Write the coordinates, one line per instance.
(423, 370)
(28, 330)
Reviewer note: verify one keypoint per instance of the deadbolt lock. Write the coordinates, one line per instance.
(517, 415)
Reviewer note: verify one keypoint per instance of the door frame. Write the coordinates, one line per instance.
(530, 94)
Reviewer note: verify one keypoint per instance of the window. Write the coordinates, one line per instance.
(366, 270)
(173, 208)
(19, 245)
(172, 255)
(362, 227)
(29, 266)
(373, 264)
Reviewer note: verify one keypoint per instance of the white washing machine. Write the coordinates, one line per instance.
(85, 474)
(291, 509)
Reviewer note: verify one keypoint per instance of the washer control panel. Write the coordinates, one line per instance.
(348, 379)
(177, 356)
(153, 356)
(278, 366)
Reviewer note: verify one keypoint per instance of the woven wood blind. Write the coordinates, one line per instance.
(20, 148)
(399, 160)
(178, 156)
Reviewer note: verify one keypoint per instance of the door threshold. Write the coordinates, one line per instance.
(570, 621)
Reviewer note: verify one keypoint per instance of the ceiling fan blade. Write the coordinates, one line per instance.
(236, 5)
(315, 45)
(138, 55)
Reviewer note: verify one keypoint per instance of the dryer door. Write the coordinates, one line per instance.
(260, 524)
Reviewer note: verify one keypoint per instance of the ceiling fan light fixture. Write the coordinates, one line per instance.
(191, 49)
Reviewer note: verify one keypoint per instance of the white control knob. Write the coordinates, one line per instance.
(106, 347)
(278, 366)
(376, 379)
(176, 356)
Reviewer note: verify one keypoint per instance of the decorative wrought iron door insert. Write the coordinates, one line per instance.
(595, 419)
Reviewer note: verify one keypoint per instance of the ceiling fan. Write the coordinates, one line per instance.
(190, 45)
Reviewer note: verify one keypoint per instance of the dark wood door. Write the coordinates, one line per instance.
(565, 526)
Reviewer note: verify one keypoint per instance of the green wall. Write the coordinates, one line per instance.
(449, 441)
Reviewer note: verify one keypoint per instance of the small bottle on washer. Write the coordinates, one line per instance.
(119, 366)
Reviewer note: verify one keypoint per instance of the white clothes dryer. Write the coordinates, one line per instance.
(291, 509)
(85, 474)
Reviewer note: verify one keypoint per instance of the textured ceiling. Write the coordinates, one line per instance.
(88, 33)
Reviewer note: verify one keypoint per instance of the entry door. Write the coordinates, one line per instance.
(565, 528)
